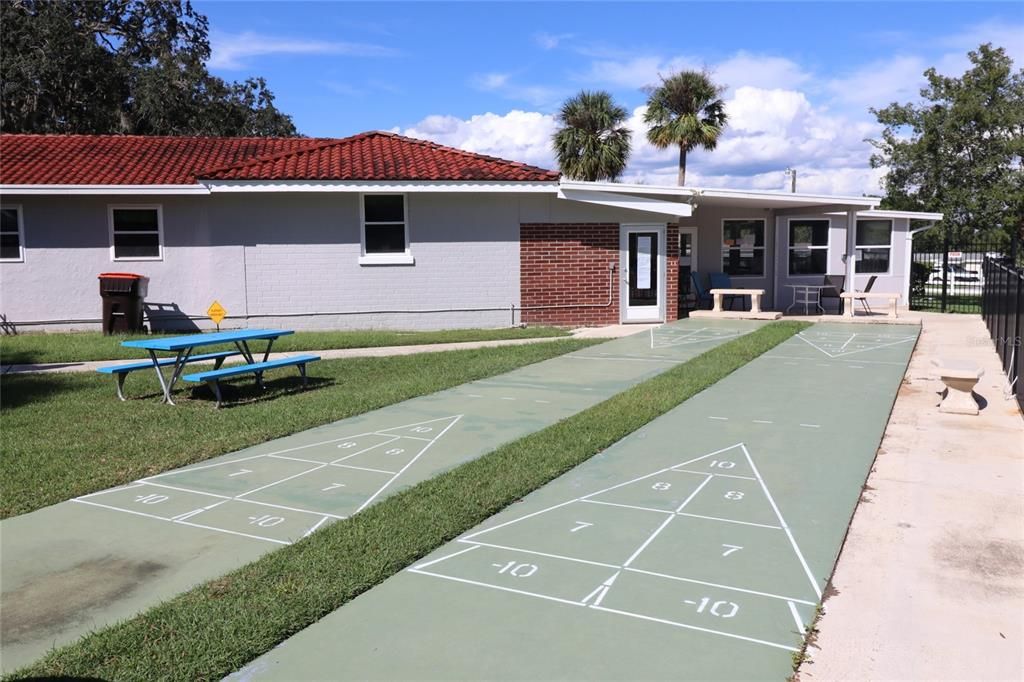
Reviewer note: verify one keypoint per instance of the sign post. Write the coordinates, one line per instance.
(216, 312)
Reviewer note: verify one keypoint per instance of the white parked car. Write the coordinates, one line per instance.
(957, 274)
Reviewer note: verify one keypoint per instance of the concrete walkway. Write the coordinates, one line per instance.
(609, 332)
(930, 584)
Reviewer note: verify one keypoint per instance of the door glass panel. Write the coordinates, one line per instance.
(643, 268)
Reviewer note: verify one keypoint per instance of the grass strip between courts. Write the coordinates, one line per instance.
(216, 628)
(25, 349)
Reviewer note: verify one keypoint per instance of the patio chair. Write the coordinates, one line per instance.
(834, 287)
(720, 280)
(866, 289)
(701, 294)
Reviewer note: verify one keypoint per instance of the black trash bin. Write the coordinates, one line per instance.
(122, 294)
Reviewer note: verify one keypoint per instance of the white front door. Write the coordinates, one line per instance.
(642, 258)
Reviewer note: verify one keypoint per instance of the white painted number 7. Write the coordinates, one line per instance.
(580, 525)
(729, 549)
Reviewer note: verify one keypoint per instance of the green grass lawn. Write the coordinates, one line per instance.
(67, 434)
(958, 303)
(217, 627)
(84, 346)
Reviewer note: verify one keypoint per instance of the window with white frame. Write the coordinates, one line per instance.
(12, 235)
(136, 232)
(385, 230)
(808, 247)
(874, 246)
(743, 247)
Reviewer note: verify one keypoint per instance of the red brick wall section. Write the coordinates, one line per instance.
(563, 264)
(672, 273)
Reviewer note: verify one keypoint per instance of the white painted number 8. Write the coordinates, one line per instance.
(422, 429)
(734, 495)
(661, 485)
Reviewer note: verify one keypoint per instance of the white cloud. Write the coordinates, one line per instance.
(518, 135)
(503, 85)
(549, 41)
(635, 72)
(880, 82)
(234, 50)
(1004, 34)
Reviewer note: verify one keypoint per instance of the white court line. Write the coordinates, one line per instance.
(496, 587)
(352, 466)
(694, 627)
(317, 525)
(842, 347)
(811, 426)
(126, 511)
(792, 540)
(516, 520)
(542, 401)
(631, 506)
(136, 484)
(372, 447)
(667, 521)
(411, 462)
(506, 398)
(587, 357)
(796, 617)
(202, 466)
(473, 395)
(283, 480)
(233, 532)
(548, 555)
(652, 475)
(762, 421)
(724, 587)
(742, 523)
(723, 419)
(704, 473)
(447, 556)
(296, 459)
(294, 509)
(187, 490)
(858, 360)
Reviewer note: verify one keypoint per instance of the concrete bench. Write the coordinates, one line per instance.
(960, 378)
(851, 297)
(122, 371)
(214, 376)
(754, 294)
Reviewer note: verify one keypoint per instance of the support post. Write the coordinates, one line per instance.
(945, 269)
(851, 252)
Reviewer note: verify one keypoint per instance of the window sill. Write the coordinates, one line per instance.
(138, 259)
(387, 259)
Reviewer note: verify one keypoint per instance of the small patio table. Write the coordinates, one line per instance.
(184, 345)
(807, 294)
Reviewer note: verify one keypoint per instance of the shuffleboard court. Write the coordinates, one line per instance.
(696, 548)
(88, 562)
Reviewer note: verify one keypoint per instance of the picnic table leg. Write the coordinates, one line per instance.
(302, 371)
(160, 376)
(120, 385)
(179, 367)
(244, 347)
(216, 391)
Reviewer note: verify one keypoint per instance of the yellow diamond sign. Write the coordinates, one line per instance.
(216, 312)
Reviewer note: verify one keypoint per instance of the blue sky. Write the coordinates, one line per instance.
(488, 76)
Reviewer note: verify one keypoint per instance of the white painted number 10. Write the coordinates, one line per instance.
(516, 569)
(725, 464)
(721, 609)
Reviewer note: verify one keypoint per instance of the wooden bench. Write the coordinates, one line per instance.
(122, 371)
(850, 297)
(214, 376)
(960, 378)
(754, 294)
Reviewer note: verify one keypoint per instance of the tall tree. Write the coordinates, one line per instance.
(959, 150)
(687, 111)
(121, 66)
(592, 143)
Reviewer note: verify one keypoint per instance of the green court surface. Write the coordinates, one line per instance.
(88, 562)
(696, 548)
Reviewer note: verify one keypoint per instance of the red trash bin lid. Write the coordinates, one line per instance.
(118, 275)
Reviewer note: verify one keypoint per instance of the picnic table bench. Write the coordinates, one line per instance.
(183, 346)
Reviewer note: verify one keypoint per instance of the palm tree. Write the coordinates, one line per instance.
(685, 110)
(591, 143)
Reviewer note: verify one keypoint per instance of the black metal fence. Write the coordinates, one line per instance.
(1002, 308)
(948, 277)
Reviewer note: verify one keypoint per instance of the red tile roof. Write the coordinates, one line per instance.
(134, 160)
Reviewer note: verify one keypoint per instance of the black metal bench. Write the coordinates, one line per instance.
(214, 376)
(122, 371)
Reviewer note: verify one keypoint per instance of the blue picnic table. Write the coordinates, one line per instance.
(183, 347)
